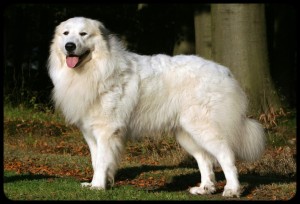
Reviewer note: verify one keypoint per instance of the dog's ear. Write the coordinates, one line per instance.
(105, 34)
(104, 31)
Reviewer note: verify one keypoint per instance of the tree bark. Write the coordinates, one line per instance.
(202, 21)
(239, 42)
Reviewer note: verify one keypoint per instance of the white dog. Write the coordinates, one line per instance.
(112, 94)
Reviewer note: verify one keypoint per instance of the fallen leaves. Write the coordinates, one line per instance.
(148, 183)
(274, 191)
(19, 127)
(33, 168)
(46, 138)
(269, 119)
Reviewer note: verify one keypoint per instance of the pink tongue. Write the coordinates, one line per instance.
(72, 61)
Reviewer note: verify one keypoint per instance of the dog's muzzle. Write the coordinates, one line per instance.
(73, 60)
(70, 47)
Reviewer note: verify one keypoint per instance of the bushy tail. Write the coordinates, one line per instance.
(252, 141)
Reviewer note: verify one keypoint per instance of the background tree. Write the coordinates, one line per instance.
(239, 42)
(202, 20)
(150, 29)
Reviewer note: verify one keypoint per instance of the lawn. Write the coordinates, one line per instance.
(44, 159)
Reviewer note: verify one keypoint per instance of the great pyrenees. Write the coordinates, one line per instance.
(112, 94)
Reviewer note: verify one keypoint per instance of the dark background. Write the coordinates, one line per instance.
(28, 30)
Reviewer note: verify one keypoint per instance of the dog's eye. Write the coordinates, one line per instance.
(66, 33)
(82, 33)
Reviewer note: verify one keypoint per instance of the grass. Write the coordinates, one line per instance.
(39, 187)
(23, 113)
(46, 160)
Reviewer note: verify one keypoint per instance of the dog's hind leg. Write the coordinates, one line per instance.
(207, 135)
(204, 160)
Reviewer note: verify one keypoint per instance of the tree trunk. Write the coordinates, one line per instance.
(202, 20)
(239, 42)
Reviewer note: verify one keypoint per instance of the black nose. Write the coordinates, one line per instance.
(70, 46)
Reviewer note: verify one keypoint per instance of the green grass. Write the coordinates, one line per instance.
(39, 187)
(283, 132)
(46, 160)
(23, 113)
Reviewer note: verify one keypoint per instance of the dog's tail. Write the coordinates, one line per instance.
(251, 140)
(245, 136)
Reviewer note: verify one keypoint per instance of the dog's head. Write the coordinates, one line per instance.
(78, 38)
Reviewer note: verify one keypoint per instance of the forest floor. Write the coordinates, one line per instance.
(39, 146)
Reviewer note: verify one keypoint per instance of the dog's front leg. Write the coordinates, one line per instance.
(109, 145)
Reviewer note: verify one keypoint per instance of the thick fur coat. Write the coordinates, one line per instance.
(112, 94)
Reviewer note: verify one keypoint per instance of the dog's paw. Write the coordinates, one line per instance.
(231, 192)
(97, 188)
(91, 186)
(203, 189)
(86, 184)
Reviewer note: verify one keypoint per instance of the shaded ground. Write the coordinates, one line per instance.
(49, 149)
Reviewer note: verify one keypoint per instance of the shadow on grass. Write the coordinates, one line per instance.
(183, 182)
(177, 183)
(254, 180)
(133, 172)
(25, 177)
(248, 181)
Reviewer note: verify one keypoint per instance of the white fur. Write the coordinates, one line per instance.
(115, 94)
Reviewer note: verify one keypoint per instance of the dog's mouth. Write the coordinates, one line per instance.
(74, 61)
